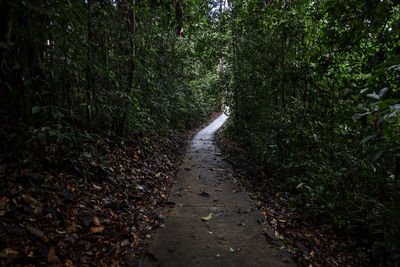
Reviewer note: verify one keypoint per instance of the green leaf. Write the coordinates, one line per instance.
(207, 218)
(366, 139)
(218, 169)
(383, 92)
(36, 109)
(231, 249)
(374, 96)
(252, 196)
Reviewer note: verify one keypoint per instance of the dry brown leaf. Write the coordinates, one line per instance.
(96, 229)
(125, 242)
(28, 199)
(115, 216)
(51, 256)
(8, 252)
(3, 202)
(97, 187)
(146, 219)
(35, 231)
(96, 221)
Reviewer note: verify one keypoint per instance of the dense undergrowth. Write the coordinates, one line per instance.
(310, 242)
(314, 95)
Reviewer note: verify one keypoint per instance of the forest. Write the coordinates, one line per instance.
(99, 97)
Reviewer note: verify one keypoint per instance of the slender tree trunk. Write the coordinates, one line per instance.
(88, 63)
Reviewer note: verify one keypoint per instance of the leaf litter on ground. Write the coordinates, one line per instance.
(99, 209)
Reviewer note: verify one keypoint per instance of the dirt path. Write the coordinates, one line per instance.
(214, 222)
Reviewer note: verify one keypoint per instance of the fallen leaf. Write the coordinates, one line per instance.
(28, 199)
(125, 242)
(317, 241)
(51, 256)
(207, 218)
(96, 229)
(97, 187)
(8, 252)
(146, 219)
(35, 231)
(115, 216)
(3, 202)
(45, 239)
(96, 221)
(218, 169)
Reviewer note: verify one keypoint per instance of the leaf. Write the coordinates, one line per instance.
(96, 229)
(252, 196)
(7, 252)
(207, 218)
(36, 109)
(383, 92)
(51, 256)
(378, 155)
(140, 187)
(125, 242)
(360, 115)
(374, 96)
(366, 139)
(28, 199)
(395, 107)
(217, 255)
(96, 221)
(218, 169)
(231, 249)
(35, 231)
(97, 187)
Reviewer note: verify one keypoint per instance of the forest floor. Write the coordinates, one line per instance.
(98, 208)
(309, 242)
(214, 221)
(105, 206)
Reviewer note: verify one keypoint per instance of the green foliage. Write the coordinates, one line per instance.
(70, 69)
(314, 94)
